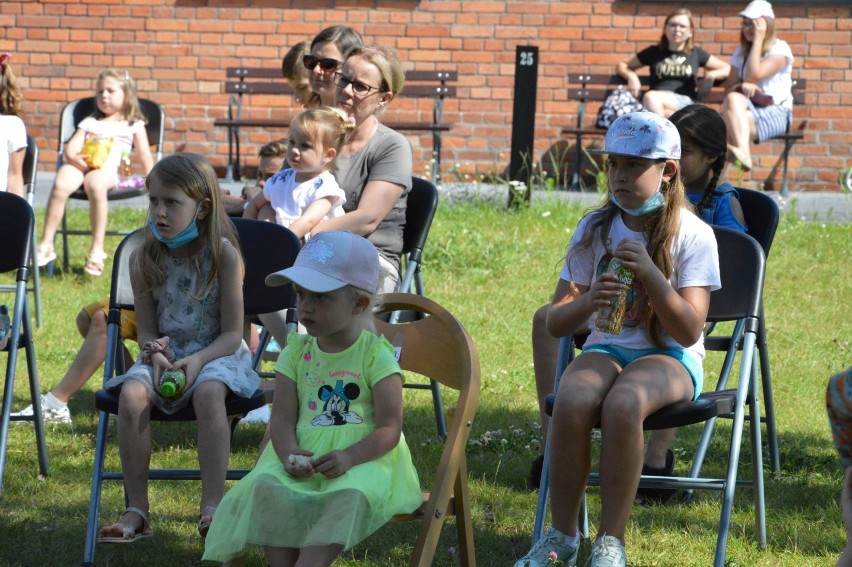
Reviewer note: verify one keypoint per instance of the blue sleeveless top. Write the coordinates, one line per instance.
(718, 211)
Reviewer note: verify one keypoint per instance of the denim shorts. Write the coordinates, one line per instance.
(624, 356)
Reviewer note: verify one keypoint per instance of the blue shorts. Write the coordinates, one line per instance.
(625, 356)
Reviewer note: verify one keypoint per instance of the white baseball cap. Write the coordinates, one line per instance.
(330, 261)
(758, 9)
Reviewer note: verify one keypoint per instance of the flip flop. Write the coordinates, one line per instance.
(129, 534)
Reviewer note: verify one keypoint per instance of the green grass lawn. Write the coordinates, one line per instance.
(492, 268)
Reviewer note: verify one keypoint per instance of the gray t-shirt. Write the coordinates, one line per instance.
(386, 157)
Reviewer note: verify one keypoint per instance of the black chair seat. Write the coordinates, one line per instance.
(107, 400)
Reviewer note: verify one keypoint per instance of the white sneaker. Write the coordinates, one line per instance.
(607, 551)
(259, 416)
(48, 414)
(551, 546)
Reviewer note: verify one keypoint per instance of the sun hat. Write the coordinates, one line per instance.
(642, 134)
(758, 9)
(330, 261)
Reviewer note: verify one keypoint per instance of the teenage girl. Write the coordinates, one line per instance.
(302, 195)
(619, 379)
(116, 127)
(188, 297)
(13, 133)
(338, 467)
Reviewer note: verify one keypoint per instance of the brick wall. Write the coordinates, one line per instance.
(178, 50)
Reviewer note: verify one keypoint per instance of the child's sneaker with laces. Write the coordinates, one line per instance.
(48, 414)
(607, 551)
(551, 546)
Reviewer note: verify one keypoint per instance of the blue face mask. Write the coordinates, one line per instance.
(654, 203)
(186, 236)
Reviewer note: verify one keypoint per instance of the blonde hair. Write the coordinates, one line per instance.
(11, 97)
(386, 60)
(660, 230)
(131, 110)
(192, 174)
(690, 43)
(768, 39)
(327, 126)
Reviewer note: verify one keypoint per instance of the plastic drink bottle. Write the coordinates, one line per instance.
(172, 383)
(611, 319)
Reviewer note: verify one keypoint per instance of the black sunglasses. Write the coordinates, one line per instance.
(326, 63)
(358, 87)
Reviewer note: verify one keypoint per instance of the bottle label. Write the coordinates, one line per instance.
(611, 318)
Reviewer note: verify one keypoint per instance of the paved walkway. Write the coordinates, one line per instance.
(823, 207)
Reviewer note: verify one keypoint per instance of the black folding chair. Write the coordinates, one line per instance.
(72, 114)
(266, 248)
(16, 233)
(761, 215)
(742, 265)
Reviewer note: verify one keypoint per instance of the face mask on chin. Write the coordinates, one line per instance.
(186, 236)
(655, 203)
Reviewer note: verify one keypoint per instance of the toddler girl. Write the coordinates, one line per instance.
(306, 193)
(188, 298)
(92, 157)
(338, 467)
(13, 133)
(654, 361)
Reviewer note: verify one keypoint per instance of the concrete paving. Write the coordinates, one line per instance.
(818, 207)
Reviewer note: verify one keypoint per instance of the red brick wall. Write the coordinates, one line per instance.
(178, 50)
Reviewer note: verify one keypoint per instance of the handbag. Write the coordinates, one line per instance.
(618, 102)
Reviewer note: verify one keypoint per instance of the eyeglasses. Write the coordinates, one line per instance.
(359, 88)
(326, 63)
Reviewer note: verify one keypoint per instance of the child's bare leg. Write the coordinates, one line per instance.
(134, 444)
(97, 184)
(658, 446)
(266, 213)
(68, 179)
(318, 555)
(576, 411)
(214, 440)
(642, 388)
(281, 556)
(545, 348)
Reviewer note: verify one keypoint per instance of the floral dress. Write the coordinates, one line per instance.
(191, 325)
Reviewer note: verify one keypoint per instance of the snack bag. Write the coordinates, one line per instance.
(96, 150)
(611, 319)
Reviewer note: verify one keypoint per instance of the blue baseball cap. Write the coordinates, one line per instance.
(642, 134)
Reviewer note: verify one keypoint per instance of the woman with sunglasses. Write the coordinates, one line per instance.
(325, 58)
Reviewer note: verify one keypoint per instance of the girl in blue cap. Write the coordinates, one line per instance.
(654, 360)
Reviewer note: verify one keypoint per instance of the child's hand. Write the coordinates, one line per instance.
(191, 367)
(334, 464)
(604, 289)
(160, 364)
(633, 256)
(299, 464)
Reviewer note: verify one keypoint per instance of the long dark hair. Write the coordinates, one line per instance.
(705, 129)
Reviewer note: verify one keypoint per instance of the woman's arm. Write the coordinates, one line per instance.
(143, 148)
(230, 314)
(627, 69)
(682, 312)
(387, 403)
(312, 215)
(377, 200)
(716, 69)
(15, 177)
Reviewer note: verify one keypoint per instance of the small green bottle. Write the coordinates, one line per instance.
(172, 383)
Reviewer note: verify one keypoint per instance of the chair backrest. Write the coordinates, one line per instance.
(419, 212)
(75, 111)
(16, 229)
(742, 265)
(30, 168)
(761, 215)
(266, 248)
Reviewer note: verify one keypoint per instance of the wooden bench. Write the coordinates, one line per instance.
(592, 88)
(429, 85)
